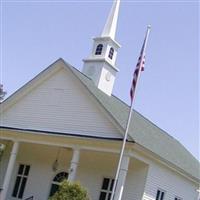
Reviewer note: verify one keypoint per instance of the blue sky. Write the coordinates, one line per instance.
(36, 33)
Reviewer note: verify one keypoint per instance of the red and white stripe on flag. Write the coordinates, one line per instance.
(139, 67)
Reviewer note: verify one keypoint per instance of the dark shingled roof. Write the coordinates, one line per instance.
(144, 132)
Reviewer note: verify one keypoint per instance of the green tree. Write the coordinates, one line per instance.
(2, 93)
(2, 148)
(70, 191)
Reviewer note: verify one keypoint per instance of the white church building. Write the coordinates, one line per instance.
(67, 124)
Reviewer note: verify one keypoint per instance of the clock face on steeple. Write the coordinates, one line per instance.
(108, 76)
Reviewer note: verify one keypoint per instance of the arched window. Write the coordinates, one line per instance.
(56, 182)
(99, 49)
(111, 52)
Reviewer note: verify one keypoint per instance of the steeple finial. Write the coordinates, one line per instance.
(111, 23)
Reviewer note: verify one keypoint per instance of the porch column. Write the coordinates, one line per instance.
(74, 164)
(122, 178)
(9, 170)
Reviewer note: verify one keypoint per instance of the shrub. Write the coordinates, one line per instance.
(70, 191)
(2, 148)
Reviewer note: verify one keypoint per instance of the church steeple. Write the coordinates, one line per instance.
(100, 65)
(111, 23)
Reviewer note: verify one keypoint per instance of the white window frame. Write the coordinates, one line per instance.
(22, 176)
(56, 182)
(99, 49)
(162, 191)
(107, 191)
(111, 53)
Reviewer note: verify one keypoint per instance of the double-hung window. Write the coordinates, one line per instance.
(106, 189)
(160, 194)
(20, 182)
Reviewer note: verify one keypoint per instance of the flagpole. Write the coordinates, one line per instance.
(127, 126)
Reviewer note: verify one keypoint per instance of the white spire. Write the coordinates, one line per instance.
(111, 23)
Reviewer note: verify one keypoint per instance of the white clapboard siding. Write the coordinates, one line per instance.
(61, 104)
(171, 182)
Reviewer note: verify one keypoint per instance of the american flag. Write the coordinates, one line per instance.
(139, 67)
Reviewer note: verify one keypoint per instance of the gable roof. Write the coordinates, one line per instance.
(144, 132)
(141, 130)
